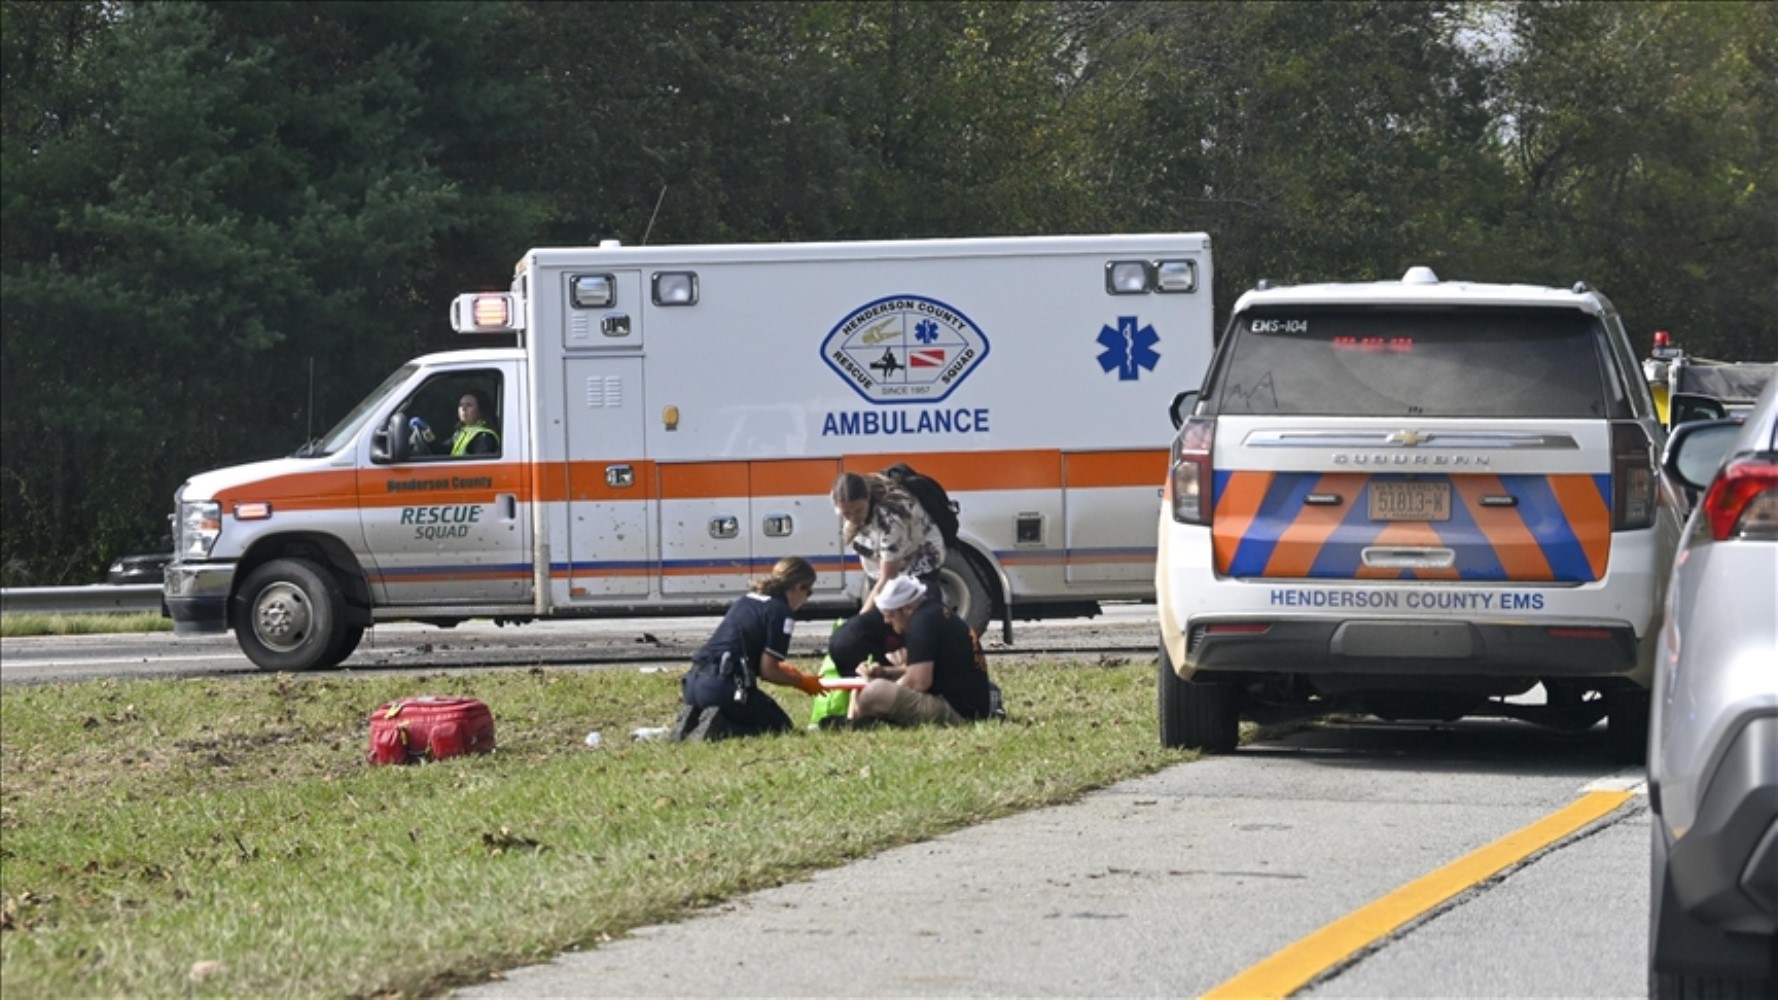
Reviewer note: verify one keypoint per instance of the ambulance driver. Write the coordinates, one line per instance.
(721, 693)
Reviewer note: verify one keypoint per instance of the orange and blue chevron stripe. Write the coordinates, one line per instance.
(1557, 530)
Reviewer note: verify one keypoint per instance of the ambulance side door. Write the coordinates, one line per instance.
(447, 530)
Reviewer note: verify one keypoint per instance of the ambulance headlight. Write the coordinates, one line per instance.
(675, 288)
(200, 522)
(1128, 277)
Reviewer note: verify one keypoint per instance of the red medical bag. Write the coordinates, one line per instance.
(430, 726)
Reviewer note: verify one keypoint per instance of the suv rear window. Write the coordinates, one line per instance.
(1467, 362)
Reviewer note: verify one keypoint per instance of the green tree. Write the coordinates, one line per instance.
(199, 201)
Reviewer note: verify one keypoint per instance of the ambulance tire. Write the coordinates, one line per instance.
(344, 642)
(1201, 715)
(965, 591)
(290, 614)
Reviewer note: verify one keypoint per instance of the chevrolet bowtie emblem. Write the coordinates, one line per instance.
(1408, 438)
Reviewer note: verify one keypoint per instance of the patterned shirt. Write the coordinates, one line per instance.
(898, 529)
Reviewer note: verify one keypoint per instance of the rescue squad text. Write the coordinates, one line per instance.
(1419, 600)
(443, 521)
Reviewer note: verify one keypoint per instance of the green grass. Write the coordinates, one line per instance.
(150, 827)
(15, 626)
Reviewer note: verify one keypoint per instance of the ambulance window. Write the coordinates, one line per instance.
(1438, 362)
(439, 405)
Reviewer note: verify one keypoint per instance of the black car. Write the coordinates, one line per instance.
(143, 567)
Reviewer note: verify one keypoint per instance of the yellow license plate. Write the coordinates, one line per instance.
(1410, 501)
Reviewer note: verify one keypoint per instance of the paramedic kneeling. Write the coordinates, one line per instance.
(721, 693)
(934, 679)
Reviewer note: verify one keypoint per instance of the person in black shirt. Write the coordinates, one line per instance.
(721, 693)
(934, 677)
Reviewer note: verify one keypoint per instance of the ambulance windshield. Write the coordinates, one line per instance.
(344, 431)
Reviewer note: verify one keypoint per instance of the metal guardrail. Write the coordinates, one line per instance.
(97, 599)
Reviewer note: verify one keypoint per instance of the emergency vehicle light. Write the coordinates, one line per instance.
(1176, 276)
(591, 291)
(675, 288)
(485, 312)
(1128, 277)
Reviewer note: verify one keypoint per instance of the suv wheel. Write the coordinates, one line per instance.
(1626, 725)
(1197, 715)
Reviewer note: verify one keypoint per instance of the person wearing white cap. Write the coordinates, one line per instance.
(934, 678)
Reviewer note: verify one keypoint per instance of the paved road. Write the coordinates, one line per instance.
(1126, 628)
(1171, 884)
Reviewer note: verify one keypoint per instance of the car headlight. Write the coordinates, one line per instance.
(199, 524)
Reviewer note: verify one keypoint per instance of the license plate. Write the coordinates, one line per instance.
(1410, 501)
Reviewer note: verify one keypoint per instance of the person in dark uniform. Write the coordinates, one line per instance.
(721, 695)
(934, 679)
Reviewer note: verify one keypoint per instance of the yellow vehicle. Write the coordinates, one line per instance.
(1689, 388)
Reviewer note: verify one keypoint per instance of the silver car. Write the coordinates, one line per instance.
(1713, 729)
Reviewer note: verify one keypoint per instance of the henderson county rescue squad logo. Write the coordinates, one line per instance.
(904, 349)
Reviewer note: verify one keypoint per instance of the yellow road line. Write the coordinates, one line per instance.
(1292, 968)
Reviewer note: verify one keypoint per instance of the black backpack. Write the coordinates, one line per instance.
(931, 496)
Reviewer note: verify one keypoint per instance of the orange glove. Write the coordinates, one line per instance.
(810, 684)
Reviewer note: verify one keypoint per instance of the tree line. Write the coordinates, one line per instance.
(223, 223)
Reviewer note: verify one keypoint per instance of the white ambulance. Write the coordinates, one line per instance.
(673, 418)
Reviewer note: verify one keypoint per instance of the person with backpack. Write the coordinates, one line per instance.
(892, 536)
(721, 695)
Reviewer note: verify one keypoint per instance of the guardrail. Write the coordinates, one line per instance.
(98, 599)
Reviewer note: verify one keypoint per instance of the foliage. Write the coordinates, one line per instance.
(222, 223)
(226, 838)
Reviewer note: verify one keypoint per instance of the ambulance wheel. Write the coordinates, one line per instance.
(344, 642)
(1200, 715)
(290, 616)
(965, 591)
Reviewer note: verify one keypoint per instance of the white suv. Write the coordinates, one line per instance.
(1415, 498)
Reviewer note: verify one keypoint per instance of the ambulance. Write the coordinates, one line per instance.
(668, 422)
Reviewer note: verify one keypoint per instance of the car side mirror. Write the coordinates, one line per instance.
(1183, 405)
(1687, 407)
(1695, 451)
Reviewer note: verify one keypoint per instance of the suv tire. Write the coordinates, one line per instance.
(1197, 715)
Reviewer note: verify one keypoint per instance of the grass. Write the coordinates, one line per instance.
(18, 625)
(213, 837)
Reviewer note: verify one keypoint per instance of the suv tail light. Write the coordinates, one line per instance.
(1743, 501)
(1632, 477)
(1190, 471)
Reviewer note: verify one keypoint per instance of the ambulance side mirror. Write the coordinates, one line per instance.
(1183, 405)
(388, 444)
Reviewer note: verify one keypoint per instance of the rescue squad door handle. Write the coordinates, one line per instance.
(509, 506)
(619, 476)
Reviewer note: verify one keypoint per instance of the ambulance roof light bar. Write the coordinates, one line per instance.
(1664, 346)
(487, 312)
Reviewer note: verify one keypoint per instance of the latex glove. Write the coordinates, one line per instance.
(810, 684)
(419, 434)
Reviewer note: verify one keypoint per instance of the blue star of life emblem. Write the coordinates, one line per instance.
(1128, 348)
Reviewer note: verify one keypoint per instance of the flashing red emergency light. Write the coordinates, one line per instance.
(1664, 346)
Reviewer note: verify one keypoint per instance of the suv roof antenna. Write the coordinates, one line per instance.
(657, 210)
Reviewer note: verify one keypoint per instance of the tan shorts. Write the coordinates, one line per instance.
(916, 708)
